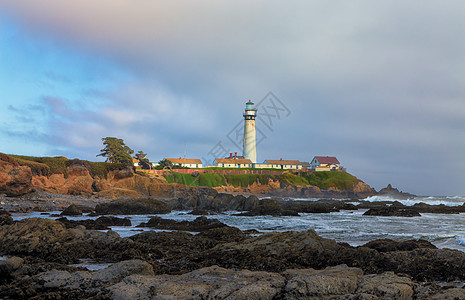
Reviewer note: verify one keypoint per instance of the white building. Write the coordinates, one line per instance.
(249, 143)
(325, 163)
(283, 164)
(186, 162)
(233, 163)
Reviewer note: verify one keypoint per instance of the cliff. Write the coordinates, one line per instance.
(20, 175)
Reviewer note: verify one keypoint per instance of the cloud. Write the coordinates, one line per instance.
(379, 84)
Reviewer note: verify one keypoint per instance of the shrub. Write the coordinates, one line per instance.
(8, 159)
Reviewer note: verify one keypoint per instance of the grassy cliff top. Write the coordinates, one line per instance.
(323, 180)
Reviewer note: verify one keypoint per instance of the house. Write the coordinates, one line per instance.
(305, 165)
(325, 163)
(233, 163)
(186, 162)
(283, 164)
(135, 162)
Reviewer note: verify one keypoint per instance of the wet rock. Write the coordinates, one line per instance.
(101, 223)
(133, 207)
(223, 234)
(388, 245)
(8, 266)
(448, 294)
(28, 235)
(438, 209)
(5, 218)
(198, 225)
(392, 211)
(76, 210)
(269, 207)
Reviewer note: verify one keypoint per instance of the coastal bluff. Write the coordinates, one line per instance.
(21, 175)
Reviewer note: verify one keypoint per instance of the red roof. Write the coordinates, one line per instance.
(185, 160)
(283, 162)
(234, 161)
(327, 160)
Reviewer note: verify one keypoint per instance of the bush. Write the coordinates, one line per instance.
(101, 169)
(8, 159)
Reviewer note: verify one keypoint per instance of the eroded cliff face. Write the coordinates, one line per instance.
(274, 188)
(121, 183)
(14, 180)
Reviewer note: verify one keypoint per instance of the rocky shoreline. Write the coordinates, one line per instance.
(217, 263)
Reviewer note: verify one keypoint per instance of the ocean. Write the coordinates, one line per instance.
(443, 230)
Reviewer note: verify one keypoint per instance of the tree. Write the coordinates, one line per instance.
(165, 163)
(143, 162)
(116, 151)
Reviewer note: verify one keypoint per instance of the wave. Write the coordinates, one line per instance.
(432, 200)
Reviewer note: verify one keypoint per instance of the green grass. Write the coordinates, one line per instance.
(211, 180)
(246, 180)
(288, 179)
(327, 179)
(57, 164)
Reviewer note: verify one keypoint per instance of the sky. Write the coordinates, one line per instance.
(378, 84)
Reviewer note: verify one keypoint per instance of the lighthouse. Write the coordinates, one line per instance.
(250, 148)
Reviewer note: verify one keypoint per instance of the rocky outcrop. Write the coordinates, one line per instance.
(198, 225)
(133, 207)
(15, 180)
(391, 192)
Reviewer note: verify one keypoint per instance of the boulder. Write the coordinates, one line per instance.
(76, 210)
(330, 282)
(387, 286)
(117, 193)
(116, 272)
(133, 207)
(269, 207)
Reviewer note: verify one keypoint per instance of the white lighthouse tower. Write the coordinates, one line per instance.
(250, 148)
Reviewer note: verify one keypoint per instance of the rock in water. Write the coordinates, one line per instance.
(133, 207)
(76, 210)
(392, 211)
(198, 225)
